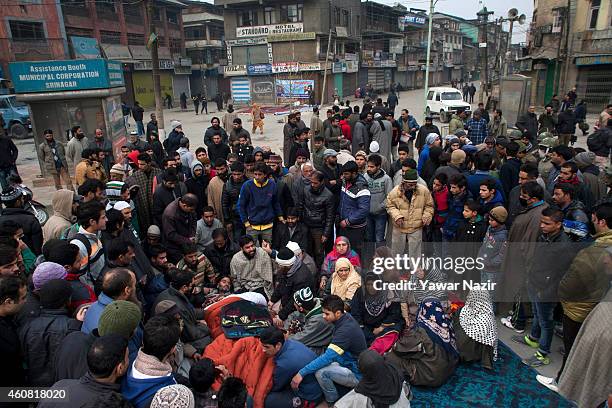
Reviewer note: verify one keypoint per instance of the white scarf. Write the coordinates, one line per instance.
(478, 320)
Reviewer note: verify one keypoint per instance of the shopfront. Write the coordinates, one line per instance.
(594, 83)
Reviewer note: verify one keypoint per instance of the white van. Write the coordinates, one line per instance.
(445, 101)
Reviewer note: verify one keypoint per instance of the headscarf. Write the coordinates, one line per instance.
(375, 304)
(345, 288)
(381, 381)
(478, 320)
(350, 254)
(438, 325)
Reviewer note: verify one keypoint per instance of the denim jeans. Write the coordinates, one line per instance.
(333, 374)
(543, 324)
(377, 224)
(140, 127)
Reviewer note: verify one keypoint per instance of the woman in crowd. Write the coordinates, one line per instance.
(476, 330)
(382, 385)
(345, 281)
(428, 354)
(342, 249)
(258, 122)
(378, 315)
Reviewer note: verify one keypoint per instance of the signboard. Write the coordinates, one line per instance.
(65, 75)
(292, 37)
(85, 47)
(247, 41)
(482, 45)
(261, 88)
(352, 66)
(147, 65)
(235, 70)
(396, 45)
(310, 66)
(338, 67)
(259, 69)
(410, 19)
(294, 88)
(266, 30)
(341, 32)
(280, 67)
(594, 60)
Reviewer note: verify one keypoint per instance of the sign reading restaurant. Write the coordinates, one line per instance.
(266, 30)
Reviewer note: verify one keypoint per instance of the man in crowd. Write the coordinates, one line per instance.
(528, 123)
(179, 225)
(214, 191)
(229, 201)
(221, 251)
(52, 154)
(380, 185)
(477, 128)
(354, 206)
(215, 129)
(251, 268)
(145, 179)
(12, 199)
(105, 147)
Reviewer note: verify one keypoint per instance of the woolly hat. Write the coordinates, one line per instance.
(256, 150)
(453, 140)
(460, 133)
(374, 147)
(133, 156)
(499, 214)
(431, 138)
(119, 317)
(302, 296)
(117, 169)
(154, 230)
(166, 307)
(469, 149)
(295, 247)
(458, 157)
(285, 257)
(301, 152)
(361, 153)
(174, 124)
(411, 175)
(173, 396)
(275, 158)
(584, 159)
(120, 205)
(329, 153)
(46, 272)
(55, 294)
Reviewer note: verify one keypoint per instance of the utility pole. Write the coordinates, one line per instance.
(507, 54)
(483, 15)
(569, 46)
(159, 111)
(325, 70)
(513, 16)
(432, 4)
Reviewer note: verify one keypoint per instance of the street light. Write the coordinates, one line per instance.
(432, 4)
(513, 16)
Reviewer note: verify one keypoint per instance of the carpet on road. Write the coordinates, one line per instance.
(511, 384)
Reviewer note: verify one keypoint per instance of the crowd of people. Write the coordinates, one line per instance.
(233, 275)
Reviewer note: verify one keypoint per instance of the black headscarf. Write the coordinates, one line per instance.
(381, 381)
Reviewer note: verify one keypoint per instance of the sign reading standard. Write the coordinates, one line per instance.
(269, 29)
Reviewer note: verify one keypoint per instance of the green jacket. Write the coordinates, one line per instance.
(455, 124)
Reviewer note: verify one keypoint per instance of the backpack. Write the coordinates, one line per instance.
(97, 283)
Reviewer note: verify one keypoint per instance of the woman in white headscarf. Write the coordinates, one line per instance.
(476, 330)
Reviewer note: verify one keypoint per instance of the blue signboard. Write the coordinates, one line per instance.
(259, 69)
(66, 75)
(85, 47)
(411, 19)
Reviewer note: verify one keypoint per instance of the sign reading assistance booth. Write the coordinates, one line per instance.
(67, 75)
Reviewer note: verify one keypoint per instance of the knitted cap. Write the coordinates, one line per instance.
(285, 257)
(303, 296)
(119, 317)
(361, 153)
(174, 124)
(166, 307)
(584, 159)
(460, 133)
(302, 153)
(458, 157)
(411, 175)
(154, 230)
(55, 294)
(499, 214)
(10, 194)
(329, 152)
(46, 272)
(275, 158)
(431, 138)
(117, 169)
(173, 396)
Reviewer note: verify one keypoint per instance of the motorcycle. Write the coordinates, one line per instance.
(39, 210)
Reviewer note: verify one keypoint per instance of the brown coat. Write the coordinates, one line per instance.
(214, 193)
(414, 212)
(46, 155)
(87, 169)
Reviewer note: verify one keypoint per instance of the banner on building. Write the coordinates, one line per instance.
(410, 19)
(235, 70)
(282, 67)
(310, 66)
(294, 88)
(352, 66)
(266, 30)
(292, 37)
(85, 47)
(259, 69)
(338, 67)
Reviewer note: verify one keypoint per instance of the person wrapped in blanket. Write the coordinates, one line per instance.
(378, 315)
(428, 354)
(421, 292)
(476, 330)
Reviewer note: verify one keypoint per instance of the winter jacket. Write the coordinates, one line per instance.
(380, 185)
(508, 174)
(178, 228)
(548, 123)
(45, 151)
(455, 214)
(32, 232)
(600, 141)
(283, 191)
(243, 151)
(333, 174)
(555, 254)
(187, 158)
(218, 151)
(107, 147)
(355, 203)
(455, 124)
(8, 152)
(40, 339)
(137, 113)
(74, 149)
(567, 123)
(287, 285)
(317, 209)
(497, 127)
(221, 258)
(282, 235)
(474, 179)
(361, 136)
(292, 356)
(211, 131)
(162, 197)
(234, 136)
(140, 391)
(258, 205)
(316, 333)
(229, 199)
(87, 169)
(332, 137)
(173, 141)
(346, 129)
(493, 248)
(83, 392)
(423, 132)
(419, 208)
(198, 186)
(62, 215)
(576, 221)
(585, 282)
(497, 200)
(440, 201)
(528, 122)
(13, 373)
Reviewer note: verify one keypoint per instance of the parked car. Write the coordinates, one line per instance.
(444, 102)
(16, 117)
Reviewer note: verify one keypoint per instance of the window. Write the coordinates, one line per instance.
(437, 97)
(336, 16)
(110, 37)
(247, 18)
(269, 15)
(106, 7)
(27, 30)
(156, 14)
(430, 95)
(345, 18)
(135, 39)
(175, 45)
(172, 17)
(291, 13)
(557, 20)
(594, 13)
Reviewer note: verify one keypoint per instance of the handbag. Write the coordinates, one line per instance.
(261, 115)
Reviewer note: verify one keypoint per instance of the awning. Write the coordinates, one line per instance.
(117, 52)
(543, 54)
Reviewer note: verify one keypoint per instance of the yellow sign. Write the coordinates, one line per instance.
(292, 37)
(143, 87)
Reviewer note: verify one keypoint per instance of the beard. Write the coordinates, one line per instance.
(249, 255)
(408, 194)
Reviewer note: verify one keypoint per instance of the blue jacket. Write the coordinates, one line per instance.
(474, 179)
(258, 205)
(412, 123)
(455, 214)
(347, 343)
(423, 157)
(497, 200)
(355, 202)
(289, 360)
(140, 392)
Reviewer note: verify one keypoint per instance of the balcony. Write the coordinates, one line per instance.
(595, 41)
(198, 44)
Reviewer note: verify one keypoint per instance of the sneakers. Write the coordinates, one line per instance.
(537, 360)
(548, 382)
(525, 340)
(506, 322)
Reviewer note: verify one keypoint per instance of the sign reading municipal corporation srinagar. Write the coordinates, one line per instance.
(65, 75)
(274, 29)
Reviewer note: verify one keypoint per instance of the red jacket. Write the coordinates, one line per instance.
(346, 129)
(440, 205)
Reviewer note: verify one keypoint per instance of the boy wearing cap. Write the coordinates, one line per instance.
(493, 247)
(316, 333)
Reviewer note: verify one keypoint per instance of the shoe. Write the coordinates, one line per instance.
(537, 360)
(548, 382)
(506, 322)
(526, 340)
